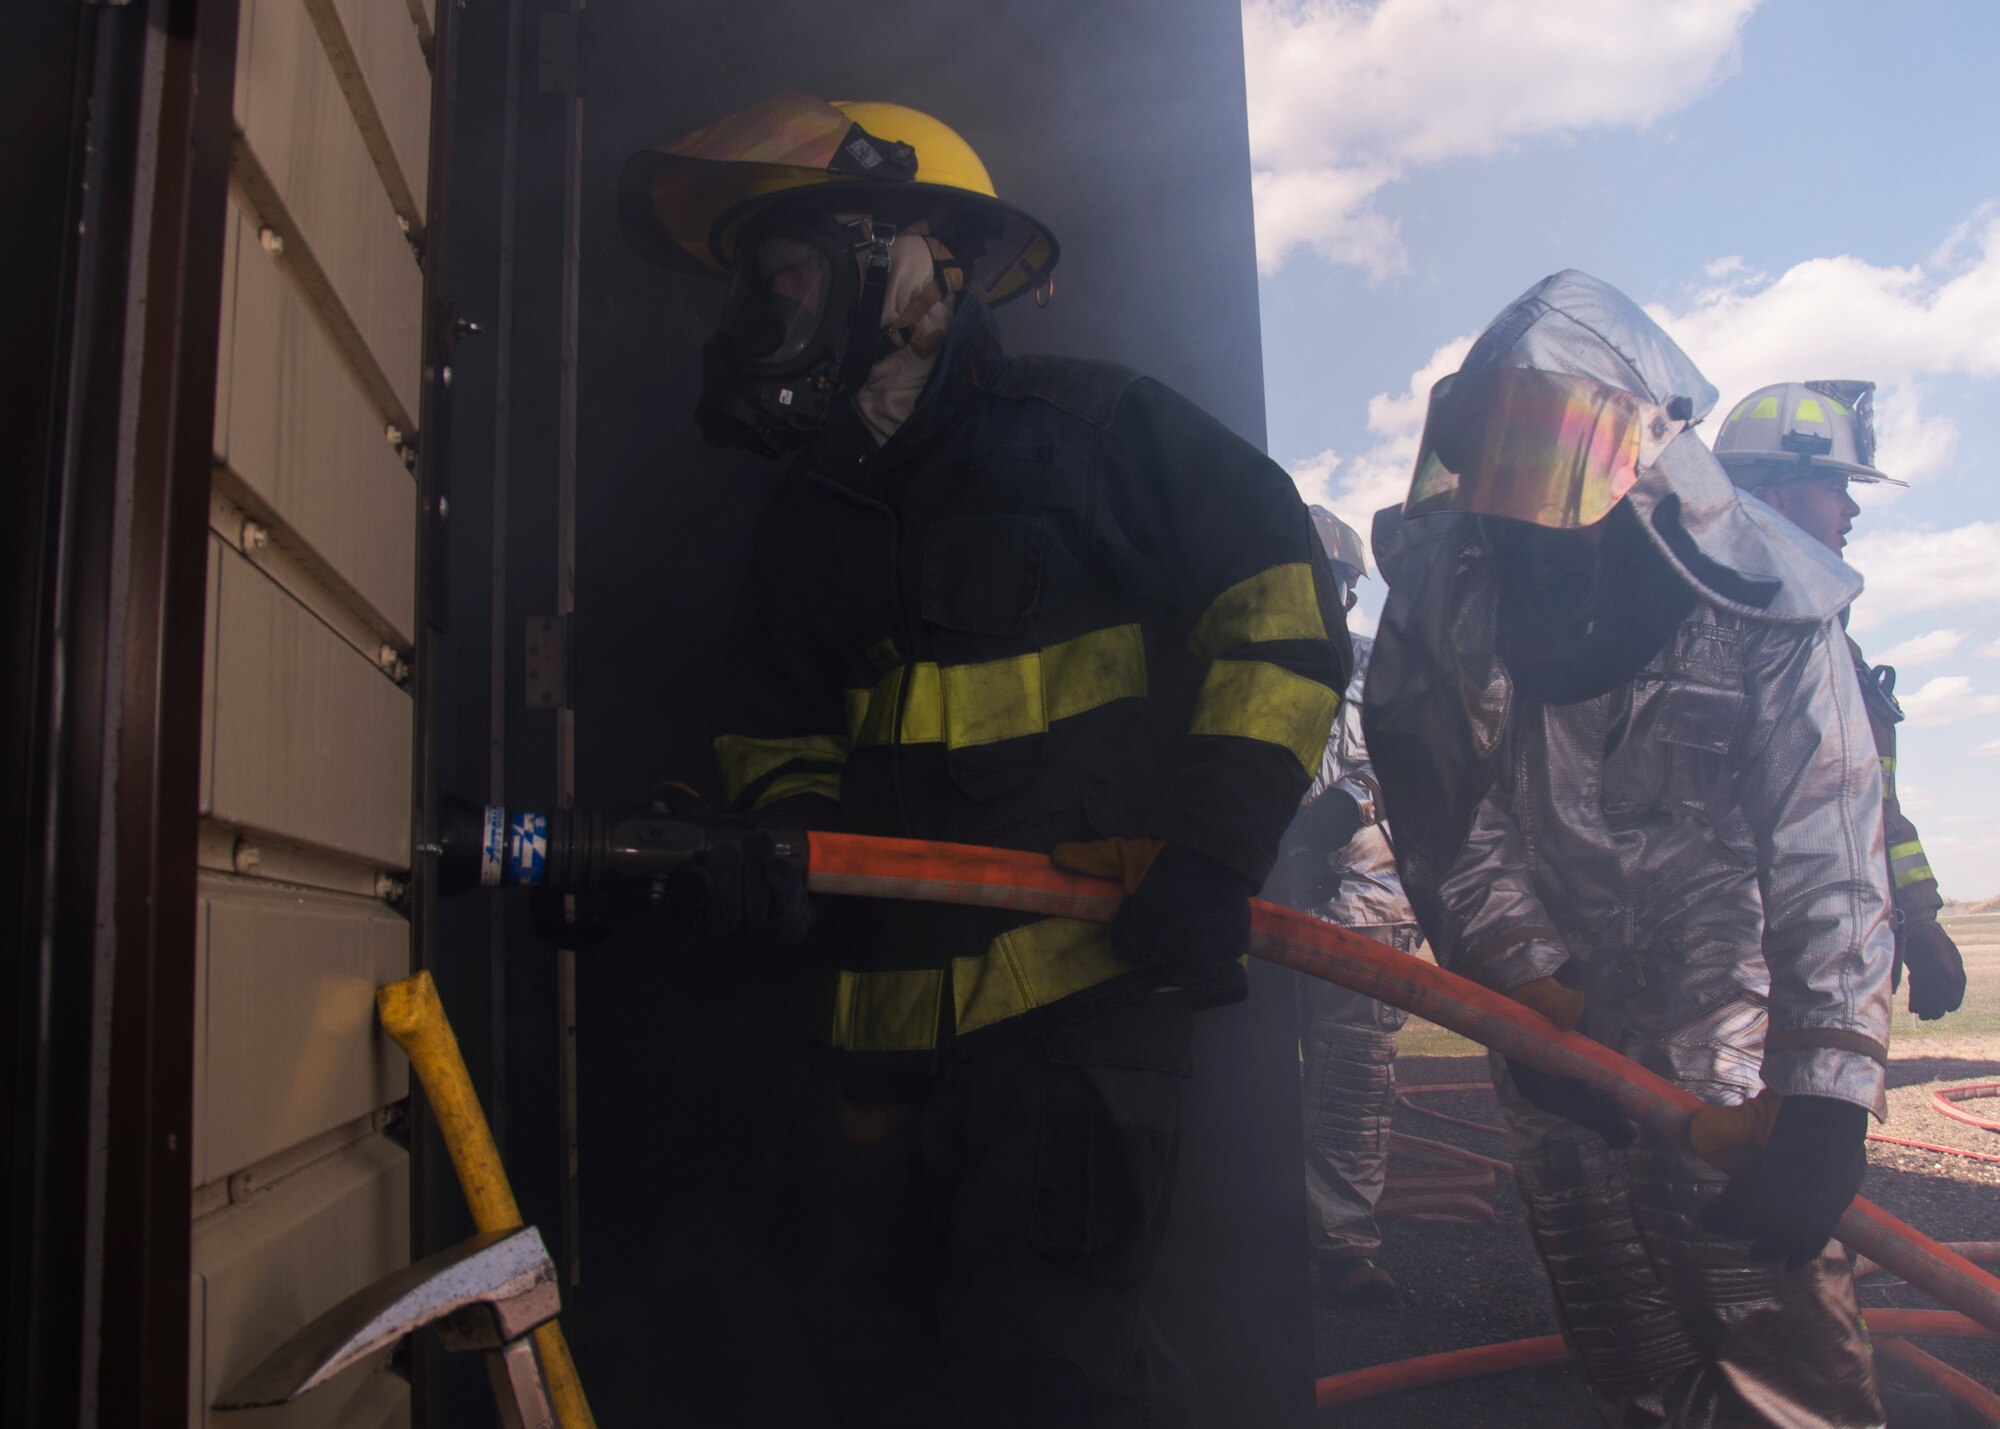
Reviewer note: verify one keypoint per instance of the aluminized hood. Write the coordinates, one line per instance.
(1734, 551)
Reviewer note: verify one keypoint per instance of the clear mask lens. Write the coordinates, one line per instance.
(777, 300)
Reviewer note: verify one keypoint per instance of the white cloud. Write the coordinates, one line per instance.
(1911, 571)
(1843, 317)
(1346, 97)
(1990, 652)
(1314, 478)
(1947, 699)
(1925, 649)
(1915, 798)
(1992, 746)
(1380, 476)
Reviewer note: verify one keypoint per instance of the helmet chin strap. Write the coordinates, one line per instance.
(924, 279)
(864, 321)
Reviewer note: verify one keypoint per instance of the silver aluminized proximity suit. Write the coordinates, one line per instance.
(1700, 848)
(1348, 1040)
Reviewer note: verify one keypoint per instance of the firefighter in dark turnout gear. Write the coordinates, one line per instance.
(1797, 445)
(1023, 602)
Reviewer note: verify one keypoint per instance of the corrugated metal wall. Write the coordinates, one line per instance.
(301, 1188)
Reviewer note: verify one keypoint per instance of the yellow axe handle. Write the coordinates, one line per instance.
(412, 1014)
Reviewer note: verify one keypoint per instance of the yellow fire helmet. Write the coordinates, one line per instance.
(687, 205)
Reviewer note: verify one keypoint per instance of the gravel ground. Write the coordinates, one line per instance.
(1464, 1285)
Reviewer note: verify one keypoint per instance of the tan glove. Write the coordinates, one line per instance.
(1561, 1005)
(1729, 1131)
(1123, 859)
(1557, 1095)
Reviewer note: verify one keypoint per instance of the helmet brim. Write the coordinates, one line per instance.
(1745, 465)
(663, 199)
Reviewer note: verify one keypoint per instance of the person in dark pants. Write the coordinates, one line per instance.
(1035, 603)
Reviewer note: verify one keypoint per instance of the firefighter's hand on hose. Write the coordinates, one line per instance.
(1558, 1095)
(1790, 1196)
(1186, 914)
(745, 888)
(1937, 972)
(1728, 1135)
(742, 886)
(1305, 876)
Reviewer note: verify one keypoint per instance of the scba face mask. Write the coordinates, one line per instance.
(801, 328)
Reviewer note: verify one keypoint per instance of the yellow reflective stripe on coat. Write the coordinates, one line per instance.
(743, 759)
(825, 784)
(887, 1011)
(1909, 864)
(1275, 604)
(1254, 699)
(990, 700)
(1030, 967)
(1025, 968)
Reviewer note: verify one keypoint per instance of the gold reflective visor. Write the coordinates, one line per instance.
(1543, 447)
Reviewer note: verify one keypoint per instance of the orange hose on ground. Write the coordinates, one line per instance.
(1437, 1369)
(1958, 1386)
(1979, 1252)
(1946, 1100)
(1549, 1350)
(858, 865)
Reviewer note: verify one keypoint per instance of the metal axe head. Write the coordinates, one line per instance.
(481, 1294)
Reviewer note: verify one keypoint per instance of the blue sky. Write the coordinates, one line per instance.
(1794, 188)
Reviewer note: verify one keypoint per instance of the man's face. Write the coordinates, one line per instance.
(1819, 505)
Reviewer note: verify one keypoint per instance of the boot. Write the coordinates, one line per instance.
(1355, 1283)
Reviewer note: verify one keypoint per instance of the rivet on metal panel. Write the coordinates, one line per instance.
(545, 672)
(254, 536)
(273, 242)
(445, 376)
(394, 433)
(389, 888)
(246, 857)
(242, 1185)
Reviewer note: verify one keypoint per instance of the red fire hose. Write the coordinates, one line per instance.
(853, 864)
(1550, 1350)
(1962, 1388)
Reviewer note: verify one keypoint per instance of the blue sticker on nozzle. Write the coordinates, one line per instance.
(492, 847)
(528, 846)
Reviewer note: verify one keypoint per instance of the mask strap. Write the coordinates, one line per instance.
(947, 277)
(862, 323)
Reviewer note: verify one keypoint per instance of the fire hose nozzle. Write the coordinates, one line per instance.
(575, 850)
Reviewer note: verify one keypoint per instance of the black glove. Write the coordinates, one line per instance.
(1327, 823)
(1303, 878)
(1572, 1100)
(1188, 916)
(1788, 1200)
(1937, 973)
(743, 887)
